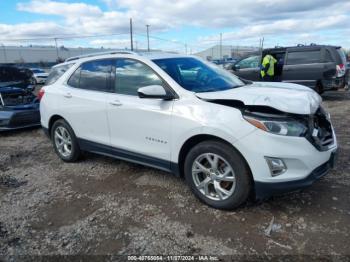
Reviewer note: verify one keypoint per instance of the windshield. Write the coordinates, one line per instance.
(198, 76)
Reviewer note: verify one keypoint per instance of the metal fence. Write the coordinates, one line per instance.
(45, 52)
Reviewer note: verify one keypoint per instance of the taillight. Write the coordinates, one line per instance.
(41, 93)
(340, 70)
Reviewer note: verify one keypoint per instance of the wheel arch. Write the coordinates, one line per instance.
(196, 139)
(52, 120)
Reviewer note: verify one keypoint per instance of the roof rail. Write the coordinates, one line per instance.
(100, 53)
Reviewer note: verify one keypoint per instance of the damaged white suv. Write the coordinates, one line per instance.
(228, 137)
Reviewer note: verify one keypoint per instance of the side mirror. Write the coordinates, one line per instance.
(154, 91)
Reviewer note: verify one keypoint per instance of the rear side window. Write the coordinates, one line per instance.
(75, 78)
(306, 57)
(56, 73)
(131, 75)
(94, 75)
(328, 57)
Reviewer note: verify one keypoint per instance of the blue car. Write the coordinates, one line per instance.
(19, 108)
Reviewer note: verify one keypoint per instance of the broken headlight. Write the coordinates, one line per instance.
(284, 127)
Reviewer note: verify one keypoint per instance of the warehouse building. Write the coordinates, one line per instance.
(48, 55)
(227, 51)
(41, 55)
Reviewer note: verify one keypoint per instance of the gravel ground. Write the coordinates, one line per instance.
(105, 206)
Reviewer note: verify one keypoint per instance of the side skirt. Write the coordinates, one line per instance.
(133, 157)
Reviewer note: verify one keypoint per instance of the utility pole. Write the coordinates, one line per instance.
(131, 41)
(147, 26)
(220, 45)
(261, 43)
(56, 49)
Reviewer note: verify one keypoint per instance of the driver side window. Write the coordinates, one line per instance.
(130, 75)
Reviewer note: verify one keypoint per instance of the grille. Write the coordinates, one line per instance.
(25, 118)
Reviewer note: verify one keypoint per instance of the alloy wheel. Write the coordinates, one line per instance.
(63, 141)
(213, 176)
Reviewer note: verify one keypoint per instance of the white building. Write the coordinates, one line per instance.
(226, 51)
(40, 54)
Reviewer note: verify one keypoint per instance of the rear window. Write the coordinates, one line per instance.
(342, 54)
(304, 57)
(56, 73)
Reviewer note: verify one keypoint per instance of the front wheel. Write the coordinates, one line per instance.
(65, 141)
(218, 175)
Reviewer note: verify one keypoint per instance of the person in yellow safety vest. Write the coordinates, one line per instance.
(268, 68)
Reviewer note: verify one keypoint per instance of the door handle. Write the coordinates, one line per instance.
(68, 95)
(115, 103)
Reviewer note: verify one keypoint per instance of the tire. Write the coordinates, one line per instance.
(238, 183)
(70, 152)
(319, 88)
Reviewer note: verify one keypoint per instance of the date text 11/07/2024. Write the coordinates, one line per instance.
(173, 258)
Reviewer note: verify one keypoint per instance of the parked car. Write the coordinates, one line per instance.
(19, 108)
(186, 116)
(16, 77)
(39, 76)
(319, 67)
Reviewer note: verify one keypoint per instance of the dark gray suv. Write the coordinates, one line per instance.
(320, 67)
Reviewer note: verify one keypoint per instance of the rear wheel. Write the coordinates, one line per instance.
(65, 141)
(218, 175)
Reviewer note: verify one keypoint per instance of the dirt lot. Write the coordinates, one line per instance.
(105, 206)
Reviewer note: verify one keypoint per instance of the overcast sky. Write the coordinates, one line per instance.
(195, 22)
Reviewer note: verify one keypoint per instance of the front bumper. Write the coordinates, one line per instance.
(304, 162)
(265, 190)
(18, 119)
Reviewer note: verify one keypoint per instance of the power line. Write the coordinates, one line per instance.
(60, 37)
(163, 39)
(65, 37)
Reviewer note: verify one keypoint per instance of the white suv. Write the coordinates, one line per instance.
(226, 136)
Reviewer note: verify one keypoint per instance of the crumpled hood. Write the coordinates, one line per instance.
(289, 98)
